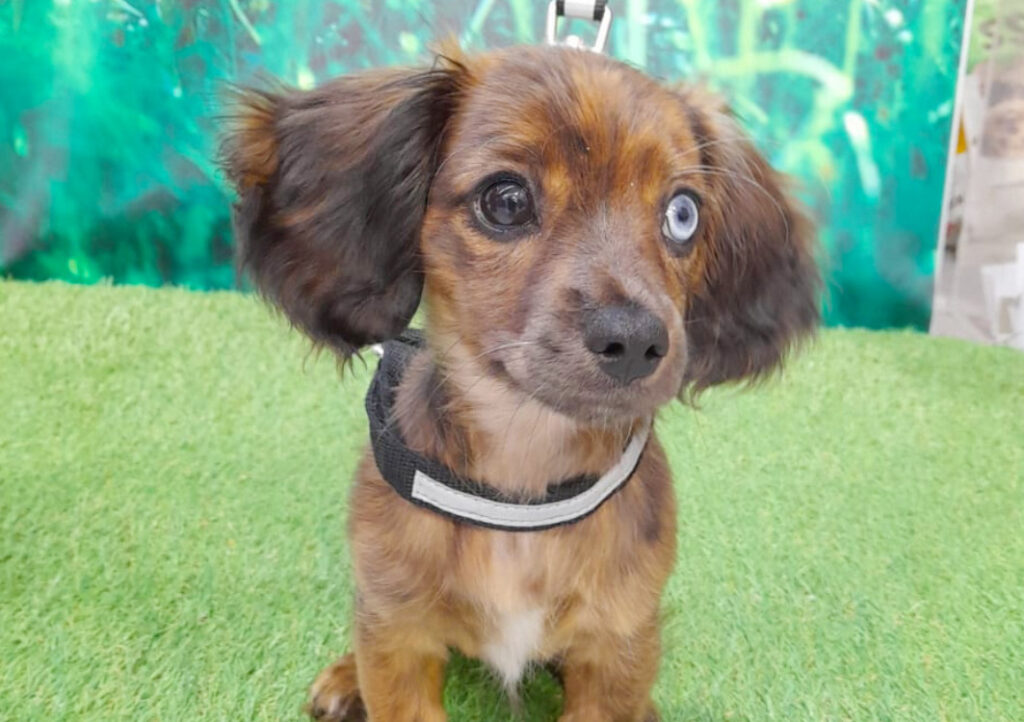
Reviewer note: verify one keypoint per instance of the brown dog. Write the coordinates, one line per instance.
(589, 245)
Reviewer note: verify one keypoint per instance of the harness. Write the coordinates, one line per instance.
(431, 485)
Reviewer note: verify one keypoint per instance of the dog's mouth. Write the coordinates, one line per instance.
(569, 380)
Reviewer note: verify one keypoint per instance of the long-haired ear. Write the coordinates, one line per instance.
(760, 294)
(332, 186)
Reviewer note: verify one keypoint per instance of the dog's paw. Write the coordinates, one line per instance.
(334, 696)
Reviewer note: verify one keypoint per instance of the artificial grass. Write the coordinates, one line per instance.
(173, 476)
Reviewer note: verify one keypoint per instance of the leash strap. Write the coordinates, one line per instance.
(431, 485)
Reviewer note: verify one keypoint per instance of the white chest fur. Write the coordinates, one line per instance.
(516, 613)
(517, 638)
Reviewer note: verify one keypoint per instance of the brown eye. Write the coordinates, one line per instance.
(505, 205)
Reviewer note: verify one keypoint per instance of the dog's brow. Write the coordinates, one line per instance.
(477, 163)
(506, 151)
(701, 133)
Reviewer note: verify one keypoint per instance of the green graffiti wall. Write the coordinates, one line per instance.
(108, 115)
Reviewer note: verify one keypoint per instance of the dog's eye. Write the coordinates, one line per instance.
(505, 205)
(681, 219)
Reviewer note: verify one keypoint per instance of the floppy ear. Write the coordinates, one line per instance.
(760, 292)
(332, 187)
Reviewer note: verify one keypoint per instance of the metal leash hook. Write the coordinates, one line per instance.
(596, 10)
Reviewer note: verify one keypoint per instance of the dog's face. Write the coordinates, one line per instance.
(583, 234)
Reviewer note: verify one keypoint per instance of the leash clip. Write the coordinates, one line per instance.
(596, 10)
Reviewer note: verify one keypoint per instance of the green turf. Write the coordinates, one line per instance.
(173, 473)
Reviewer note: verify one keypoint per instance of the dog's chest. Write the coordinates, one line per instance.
(512, 597)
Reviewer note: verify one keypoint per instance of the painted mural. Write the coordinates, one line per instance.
(108, 117)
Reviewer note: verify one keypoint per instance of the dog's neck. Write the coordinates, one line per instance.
(450, 407)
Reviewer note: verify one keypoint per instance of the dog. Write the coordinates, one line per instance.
(588, 245)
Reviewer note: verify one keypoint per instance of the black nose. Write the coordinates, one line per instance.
(628, 340)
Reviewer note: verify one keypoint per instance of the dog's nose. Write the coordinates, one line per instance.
(628, 340)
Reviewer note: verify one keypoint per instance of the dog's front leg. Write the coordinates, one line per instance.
(401, 674)
(608, 678)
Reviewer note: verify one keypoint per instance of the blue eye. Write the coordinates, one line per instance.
(681, 219)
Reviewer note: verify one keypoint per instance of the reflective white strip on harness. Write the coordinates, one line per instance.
(526, 516)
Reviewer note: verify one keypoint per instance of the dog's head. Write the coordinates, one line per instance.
(586, 235)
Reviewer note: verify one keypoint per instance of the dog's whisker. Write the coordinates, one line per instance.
(707, 170)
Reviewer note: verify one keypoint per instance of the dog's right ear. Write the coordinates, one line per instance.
(333, 186)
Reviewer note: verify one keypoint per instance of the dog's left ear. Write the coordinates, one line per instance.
(760, 294)
(333, 185)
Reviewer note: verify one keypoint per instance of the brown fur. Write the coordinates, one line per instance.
(357, 196)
